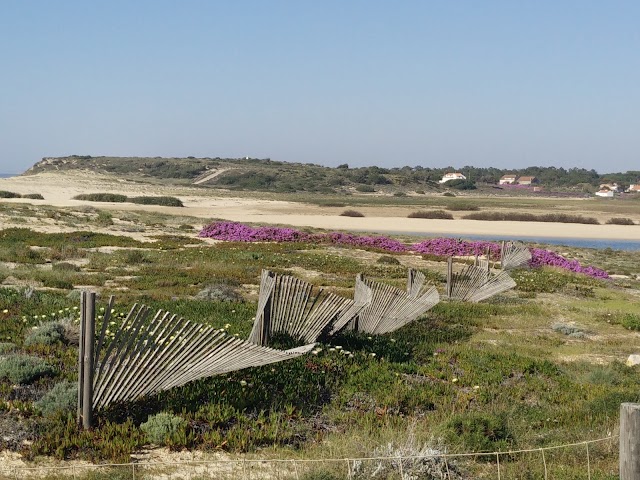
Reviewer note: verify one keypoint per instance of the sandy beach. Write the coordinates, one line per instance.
(58, 189)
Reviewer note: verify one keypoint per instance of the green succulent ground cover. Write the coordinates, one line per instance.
(465, 377)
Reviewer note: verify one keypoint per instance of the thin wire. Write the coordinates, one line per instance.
(588, 462)
(245, 461)
(498, 462)
(544, 462)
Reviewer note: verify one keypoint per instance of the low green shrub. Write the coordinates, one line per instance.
(388, 259)
(104, 219)
(461, 184)
(530, 217)
(34, 196)
(548, 280)
(570, 330)
(365, 189)
(538, 281)
(585, 291)
(480, 432)
(23, 369)
(351, 213)
(54, 282)
(219, 292)
(164, 201)
(135, 257)
(60, 437)
(620, 221)
(399, 194)
(65, 267)
(5, 194)
(63, 397)
(164, 428)
(631, 321)
(420, 192)
(461, 207)
(49, 333)
(431, 214)
(7, 347)
(101, 197)
(448, 194)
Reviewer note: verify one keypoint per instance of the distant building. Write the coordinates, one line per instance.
(605, 193)
(527, 180)
(634, 188)
(452, 176)
(614, 187)
(508, 179)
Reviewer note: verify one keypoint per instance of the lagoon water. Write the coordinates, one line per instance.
(8, 175)
(630, 245)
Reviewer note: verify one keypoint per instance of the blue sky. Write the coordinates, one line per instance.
(431, 83)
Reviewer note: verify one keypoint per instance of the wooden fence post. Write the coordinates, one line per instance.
(630, 441)
(449, 276)
(86, 358)
(411, 275)
(83, 299)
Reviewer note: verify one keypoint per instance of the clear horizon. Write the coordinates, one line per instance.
(499, 84)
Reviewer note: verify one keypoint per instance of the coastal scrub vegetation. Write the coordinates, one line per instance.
(119, 198)
(433, 214)
(270, 175)
(497, 375)
(530, 217)
(620, 221)
(351, 213)
(34, 196)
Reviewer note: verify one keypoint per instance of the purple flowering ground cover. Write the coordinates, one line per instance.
(238, 232)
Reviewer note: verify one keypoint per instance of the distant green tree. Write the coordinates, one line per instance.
(461, 184)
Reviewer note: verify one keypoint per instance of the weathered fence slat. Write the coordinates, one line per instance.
(514, 255)
(391, 308)
(298, 312)
(476, 283)
(148, 355)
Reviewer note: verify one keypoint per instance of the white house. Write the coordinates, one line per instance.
(452, 176)
(634, 188)
(605, 193)
(527, 180)
(508, 179)
(614, 187)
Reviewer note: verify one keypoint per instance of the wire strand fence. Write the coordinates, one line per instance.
(590, 459)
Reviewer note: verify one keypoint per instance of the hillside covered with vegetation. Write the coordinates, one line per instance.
(267, 174)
